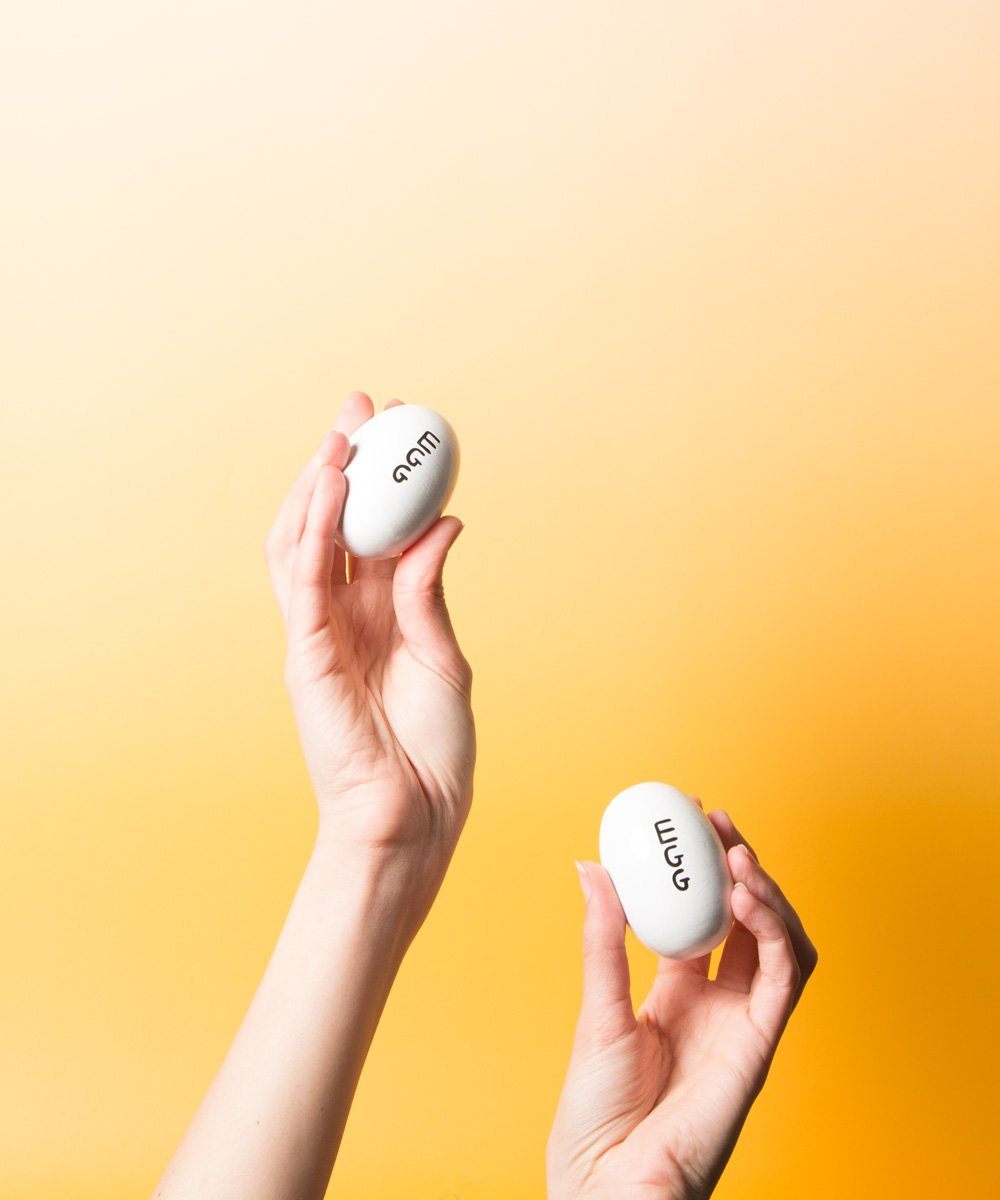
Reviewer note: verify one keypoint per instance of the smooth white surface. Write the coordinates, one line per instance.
(402, 469)
(669, 869)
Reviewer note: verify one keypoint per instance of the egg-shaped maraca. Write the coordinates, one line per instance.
(669, 869)
(400, 474)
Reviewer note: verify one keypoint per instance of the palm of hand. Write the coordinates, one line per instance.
(676, 1086)
(388, 739)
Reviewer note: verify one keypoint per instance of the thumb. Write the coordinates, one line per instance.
(607, 1001)
(421, 613)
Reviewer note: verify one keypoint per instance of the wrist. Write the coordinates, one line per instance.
(391, 888)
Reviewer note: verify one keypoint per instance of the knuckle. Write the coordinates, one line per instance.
(789, 976)
(593, 944)
(605, 1025)
(463, 673)
(303, 569)
(434, 593)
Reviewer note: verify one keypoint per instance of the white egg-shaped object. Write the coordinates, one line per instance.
(669, 869)
(400, 474)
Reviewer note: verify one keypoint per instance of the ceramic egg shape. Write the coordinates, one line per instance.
(669, 869)
(400, 474)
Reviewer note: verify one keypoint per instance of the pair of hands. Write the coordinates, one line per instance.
(653, 1102)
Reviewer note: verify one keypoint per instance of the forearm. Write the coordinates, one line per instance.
(271, 1122)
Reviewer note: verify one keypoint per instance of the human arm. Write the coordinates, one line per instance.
(381, 694)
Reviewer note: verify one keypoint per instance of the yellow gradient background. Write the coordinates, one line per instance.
(710, 293)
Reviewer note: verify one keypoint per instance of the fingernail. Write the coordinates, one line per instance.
(584, 880)
(737, 886)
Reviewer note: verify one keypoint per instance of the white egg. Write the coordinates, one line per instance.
(400, 475)
(669, 869)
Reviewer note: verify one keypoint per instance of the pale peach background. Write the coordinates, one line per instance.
(710, 293)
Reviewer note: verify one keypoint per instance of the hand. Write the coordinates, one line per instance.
(653, 1102)
(379, 686)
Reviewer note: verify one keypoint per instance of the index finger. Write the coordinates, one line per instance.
(746, 870)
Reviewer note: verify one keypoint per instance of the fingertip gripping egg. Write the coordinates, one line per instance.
(669, 869)
(400, 474)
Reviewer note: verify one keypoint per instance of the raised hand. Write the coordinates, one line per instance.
(654, 1101)
(378, 683)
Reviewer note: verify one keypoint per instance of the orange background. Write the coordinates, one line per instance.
(710, 293)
